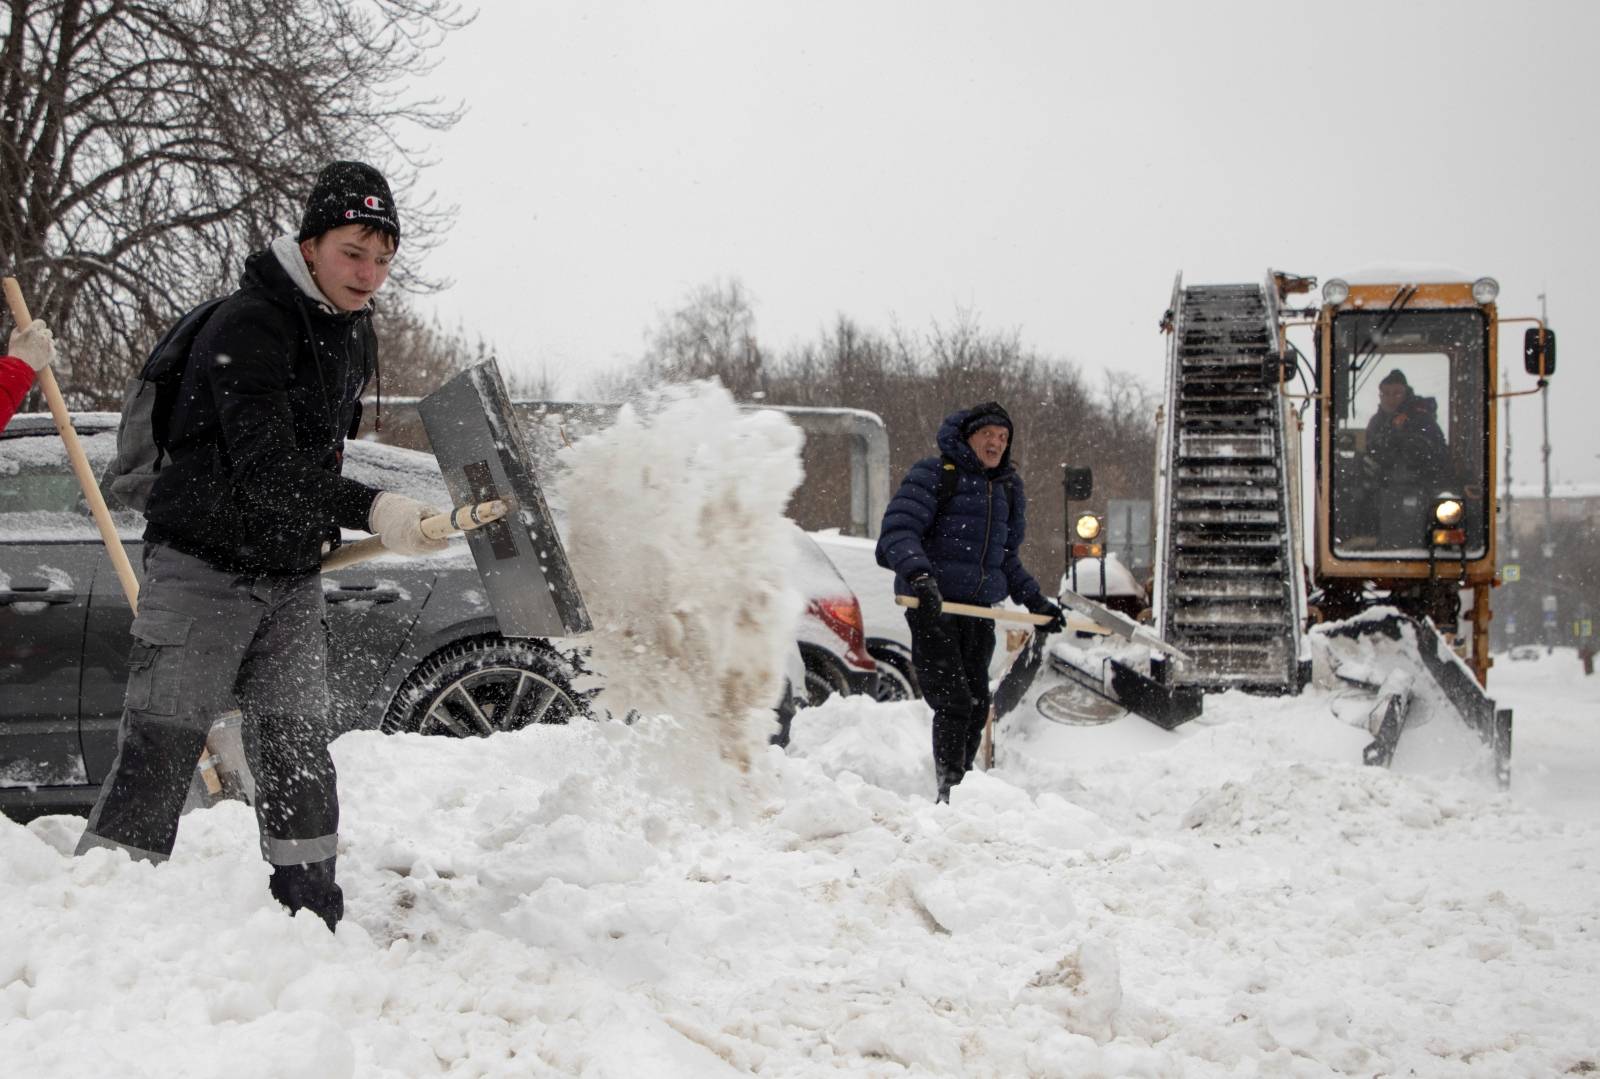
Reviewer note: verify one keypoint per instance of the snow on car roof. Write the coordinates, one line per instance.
(40, 449)
(814, 574)
(394, 468)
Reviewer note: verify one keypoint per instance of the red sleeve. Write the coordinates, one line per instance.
(16, 379)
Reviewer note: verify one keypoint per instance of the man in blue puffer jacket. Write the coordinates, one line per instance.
(953, 531)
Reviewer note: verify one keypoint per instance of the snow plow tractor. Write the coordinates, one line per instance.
(1404, 545)
(1391, 595)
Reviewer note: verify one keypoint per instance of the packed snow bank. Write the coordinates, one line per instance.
(676, 533)
(1233, 898)
(1557, 731)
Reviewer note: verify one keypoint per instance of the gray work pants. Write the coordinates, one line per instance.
(203, 639)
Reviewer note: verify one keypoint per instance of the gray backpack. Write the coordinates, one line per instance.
(142, 433)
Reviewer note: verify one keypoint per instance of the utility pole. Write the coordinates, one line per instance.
(1510, 503)
(1510, 498)
(1550, 616)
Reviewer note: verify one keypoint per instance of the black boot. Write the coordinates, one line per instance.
(946, 781)
(309, 887)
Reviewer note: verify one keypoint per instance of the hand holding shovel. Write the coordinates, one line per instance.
(442, 526)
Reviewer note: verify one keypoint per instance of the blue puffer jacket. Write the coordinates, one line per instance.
(970, 546)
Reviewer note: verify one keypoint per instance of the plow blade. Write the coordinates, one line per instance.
(1397, 689)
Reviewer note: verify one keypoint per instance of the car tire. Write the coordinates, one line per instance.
(485, 685)
(824, 676)
(897, 679)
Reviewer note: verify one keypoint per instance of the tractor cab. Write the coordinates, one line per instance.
(1405, 447)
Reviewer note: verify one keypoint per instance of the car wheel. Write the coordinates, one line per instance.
(824, 676)
(897, 680)
(818, 688)
(485, 685)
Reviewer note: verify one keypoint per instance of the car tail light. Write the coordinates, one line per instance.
(842, 614)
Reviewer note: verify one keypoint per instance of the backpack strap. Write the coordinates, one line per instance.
(949, 477)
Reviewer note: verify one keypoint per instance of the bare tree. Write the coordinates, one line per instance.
(419, 354)
(712, 335)
(913, 381)
(145, 147)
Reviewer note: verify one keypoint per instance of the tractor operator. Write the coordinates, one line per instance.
(1406, 464)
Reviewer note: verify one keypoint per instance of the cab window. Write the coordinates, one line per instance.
(1410, 410)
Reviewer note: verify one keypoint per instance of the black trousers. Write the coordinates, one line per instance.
(951, 655)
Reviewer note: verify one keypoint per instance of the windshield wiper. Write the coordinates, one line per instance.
(1386, 323)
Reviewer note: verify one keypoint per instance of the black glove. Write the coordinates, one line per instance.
(929, 601)
(1040, 605)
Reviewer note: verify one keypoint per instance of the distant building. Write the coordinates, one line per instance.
(1524, 524)
(1554, 600)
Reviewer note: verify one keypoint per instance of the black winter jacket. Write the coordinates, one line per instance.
(1408, 448)
(971, 544)
(271, 390)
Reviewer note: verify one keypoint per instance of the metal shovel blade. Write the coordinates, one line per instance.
(1118, 623)
(482, 455)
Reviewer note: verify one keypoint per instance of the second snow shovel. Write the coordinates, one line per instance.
(996, 614)
(1104, 617)
(75, 455)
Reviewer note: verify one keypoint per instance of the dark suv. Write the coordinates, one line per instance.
(413, 643)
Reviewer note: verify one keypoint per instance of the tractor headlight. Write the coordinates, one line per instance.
(1485, 289)
(1087, 526)
(1447, 511)
(1336, 291)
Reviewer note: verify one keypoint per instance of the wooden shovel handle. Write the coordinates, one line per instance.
(971, 611)
(465, 518)
(75, 454)
(461, 519)
(90, 485)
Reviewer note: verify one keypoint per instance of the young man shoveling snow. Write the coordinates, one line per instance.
(231, 606)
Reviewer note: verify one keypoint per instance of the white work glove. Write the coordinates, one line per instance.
(398, 522)
(34, 346)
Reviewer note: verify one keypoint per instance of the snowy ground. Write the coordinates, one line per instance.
(1235, 898)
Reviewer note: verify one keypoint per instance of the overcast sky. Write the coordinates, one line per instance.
(1048, 167)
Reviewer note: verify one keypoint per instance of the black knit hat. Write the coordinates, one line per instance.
(349, 193)
(984, 415)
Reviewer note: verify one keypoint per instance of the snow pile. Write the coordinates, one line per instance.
(1239, 898)
(1120, 580)
(676, 533)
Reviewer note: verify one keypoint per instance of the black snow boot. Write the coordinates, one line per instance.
(947, 780)
(309, 887)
